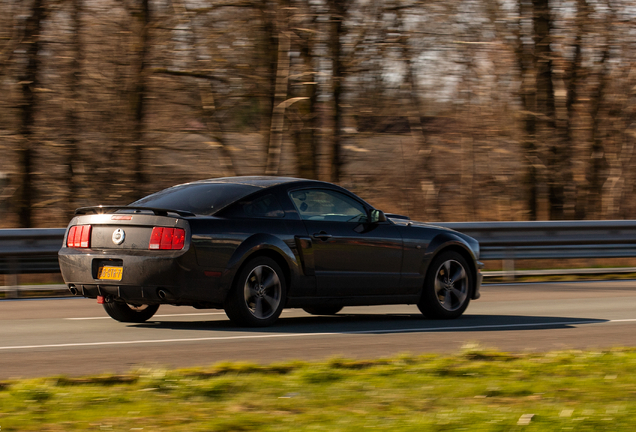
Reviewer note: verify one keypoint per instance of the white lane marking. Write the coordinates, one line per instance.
(289, 335)
(154, 316)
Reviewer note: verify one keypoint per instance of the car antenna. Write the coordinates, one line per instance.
(408, 195)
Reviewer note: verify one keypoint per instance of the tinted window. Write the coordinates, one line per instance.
(263, 207)
(328, 205)
(199, 198)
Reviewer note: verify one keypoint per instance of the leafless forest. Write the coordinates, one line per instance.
(443, 110)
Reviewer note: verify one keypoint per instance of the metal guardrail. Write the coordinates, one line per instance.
(30, 250)
(24, 251)
(510, 241)
(50, 288)
(551, 239)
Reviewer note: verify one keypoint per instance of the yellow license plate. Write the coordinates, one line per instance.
(110, 273)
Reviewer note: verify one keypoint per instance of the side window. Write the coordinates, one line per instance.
(327, 205)
(263, 207)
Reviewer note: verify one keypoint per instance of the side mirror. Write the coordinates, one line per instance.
(377, 216)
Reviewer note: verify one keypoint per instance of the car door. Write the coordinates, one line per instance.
(352, 256)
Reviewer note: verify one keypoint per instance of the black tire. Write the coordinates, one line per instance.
(258, 295)
(130, 313)
(322, 310)
(447, 287)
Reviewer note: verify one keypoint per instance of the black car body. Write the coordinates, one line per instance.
(254, 245)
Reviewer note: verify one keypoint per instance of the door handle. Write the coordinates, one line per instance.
(322, 235)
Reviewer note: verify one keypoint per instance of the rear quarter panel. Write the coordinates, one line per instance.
(224, 245)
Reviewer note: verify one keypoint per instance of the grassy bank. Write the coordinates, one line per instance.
(476, 390)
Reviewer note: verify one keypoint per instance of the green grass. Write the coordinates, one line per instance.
(477, 390)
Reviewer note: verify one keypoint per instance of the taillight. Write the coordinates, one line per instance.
(167, 238)
(79, 236)
(155, 238)
(85, 238)
(178, 238)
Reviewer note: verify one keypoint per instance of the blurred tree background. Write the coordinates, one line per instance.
(442, 110)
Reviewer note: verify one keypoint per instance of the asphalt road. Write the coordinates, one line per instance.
(76, 337)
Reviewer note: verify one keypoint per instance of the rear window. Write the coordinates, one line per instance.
(198, 198)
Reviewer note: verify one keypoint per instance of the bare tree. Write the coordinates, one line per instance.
(29, 81)
(142, 12)
(73, 131)
(280, 91)
(337, 10)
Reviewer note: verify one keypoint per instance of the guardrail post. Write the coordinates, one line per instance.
(13, 279)
(508, 266)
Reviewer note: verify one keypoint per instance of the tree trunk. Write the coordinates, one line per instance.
(269, 51)
(576, 79)
(414, 114)
(337, 11)
(598, 161)
(214, 127)
(138, 101)
(29, 82)
(525, 59)
(282, 82)
(542, 24)
(72, 113)
(306, 127)
(207, 95)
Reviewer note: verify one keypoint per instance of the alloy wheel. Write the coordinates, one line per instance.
(451, 285)
(262, 292)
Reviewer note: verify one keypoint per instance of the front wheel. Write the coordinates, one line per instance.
(447, 287)
(129, 313)
(258, 296)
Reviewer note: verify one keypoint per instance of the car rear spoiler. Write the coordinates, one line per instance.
(114, 208)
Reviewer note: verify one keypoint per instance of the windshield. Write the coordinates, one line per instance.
(198, 198)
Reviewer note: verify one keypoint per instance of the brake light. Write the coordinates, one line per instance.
(178, 239)
(79, 236)
(155, 238)
(167, 238)
(85, 238)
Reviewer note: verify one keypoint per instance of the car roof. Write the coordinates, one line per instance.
(256, 181)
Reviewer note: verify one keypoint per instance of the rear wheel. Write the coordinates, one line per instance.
(322, 310)
(447, 287)
(258, 296)
(130, 313)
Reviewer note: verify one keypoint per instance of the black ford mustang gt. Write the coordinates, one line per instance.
(255, 245)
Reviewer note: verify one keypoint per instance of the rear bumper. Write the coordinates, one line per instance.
(165, 277)
(131, 294)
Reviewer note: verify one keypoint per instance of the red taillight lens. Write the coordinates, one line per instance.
(167, 238)
(79, 236)
(155, 238)
(178, 239)
(70, 236)
(85, 237)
